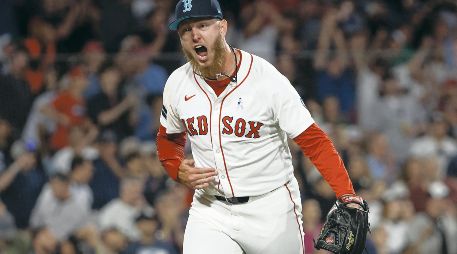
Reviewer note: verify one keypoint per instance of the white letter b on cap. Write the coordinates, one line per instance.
(187, 5)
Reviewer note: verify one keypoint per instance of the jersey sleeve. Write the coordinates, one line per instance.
(289, 109)
(170, 150)
(318, 147)
(169, 117)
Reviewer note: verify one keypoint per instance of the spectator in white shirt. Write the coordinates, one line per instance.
(58, 210)
(81, 172)
(121, 212)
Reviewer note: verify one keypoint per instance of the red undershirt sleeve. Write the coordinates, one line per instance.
(170, 150)
(316, 145)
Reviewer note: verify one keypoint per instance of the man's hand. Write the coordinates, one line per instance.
(346, 226)
(195, 178)
(352, 201)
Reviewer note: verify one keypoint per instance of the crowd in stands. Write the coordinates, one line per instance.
(80, 98)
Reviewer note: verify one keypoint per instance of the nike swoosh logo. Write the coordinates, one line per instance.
(186, 98)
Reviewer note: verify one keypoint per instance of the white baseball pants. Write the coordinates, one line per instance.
(267, 224)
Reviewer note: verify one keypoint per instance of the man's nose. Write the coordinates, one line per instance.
(195, 35)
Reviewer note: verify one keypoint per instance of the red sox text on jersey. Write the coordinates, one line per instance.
(238, 127)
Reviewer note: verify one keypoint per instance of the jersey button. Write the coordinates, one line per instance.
(222, 176)
(218, 150)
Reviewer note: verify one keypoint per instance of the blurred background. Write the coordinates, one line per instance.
(80, 98)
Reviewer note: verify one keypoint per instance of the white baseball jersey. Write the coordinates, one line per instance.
(242, 133)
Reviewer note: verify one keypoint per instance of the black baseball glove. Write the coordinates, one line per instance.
(346, 227)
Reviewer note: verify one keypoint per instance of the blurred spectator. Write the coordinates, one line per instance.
(260, 21)
(15, 98)
(322, 193)
(5, 142)
(359, 172)
(79, 144)
(435, 230)
(43, 241)
(157, 180)
(398, 116)
(110, 108)
(21, 183)
(148, 120)
(416, 181)
(7, 227)
(93, 57)
(8, 20)
(121, 212)
(130, 66)
(287, 42)
(68, 108)
(436, 142)
(158, 40)
(134, 166)
(395, 224)
(113, 241)
(39, 126)
(58, 210)
(72, 23)
(148, 225)
(381, 84)
(41, 47)
(107, 171)
(151, 77)
(371, 71)
(170, 206)
(116, 20)
(310, 13)
(81, 173)
(380, 158)
(288, 65)
(334, 77)
(140, 9)
(312, 223)
(379, 236)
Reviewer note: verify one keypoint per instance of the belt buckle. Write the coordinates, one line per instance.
(232, 200)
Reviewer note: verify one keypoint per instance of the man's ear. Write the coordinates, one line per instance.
(223, 27)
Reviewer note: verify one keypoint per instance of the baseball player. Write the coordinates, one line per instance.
(237, 111)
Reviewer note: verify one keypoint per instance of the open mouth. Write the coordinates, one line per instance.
(201, 51)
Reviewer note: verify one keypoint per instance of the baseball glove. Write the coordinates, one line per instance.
(345, 229)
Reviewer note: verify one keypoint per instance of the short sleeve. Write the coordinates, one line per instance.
(290, 110)
(169, 117)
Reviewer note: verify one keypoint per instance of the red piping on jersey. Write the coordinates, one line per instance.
(210, 114)
(220, 119)
(210, 109)
(220, 112)
(296, 218)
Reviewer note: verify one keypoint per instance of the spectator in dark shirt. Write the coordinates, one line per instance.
(5, 142)
(8, 20)
(148, 224)
(107, 171)
(21, 183)
(116, 21)
(334, 77)
(110, 109)
(157, 39)
(15, 96)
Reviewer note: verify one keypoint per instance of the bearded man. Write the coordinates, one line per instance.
(237, 110)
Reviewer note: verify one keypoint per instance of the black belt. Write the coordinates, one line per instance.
(233, 200)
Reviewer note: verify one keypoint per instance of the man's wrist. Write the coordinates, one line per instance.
(350, 198)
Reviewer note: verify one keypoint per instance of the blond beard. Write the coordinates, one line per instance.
(218, 62)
